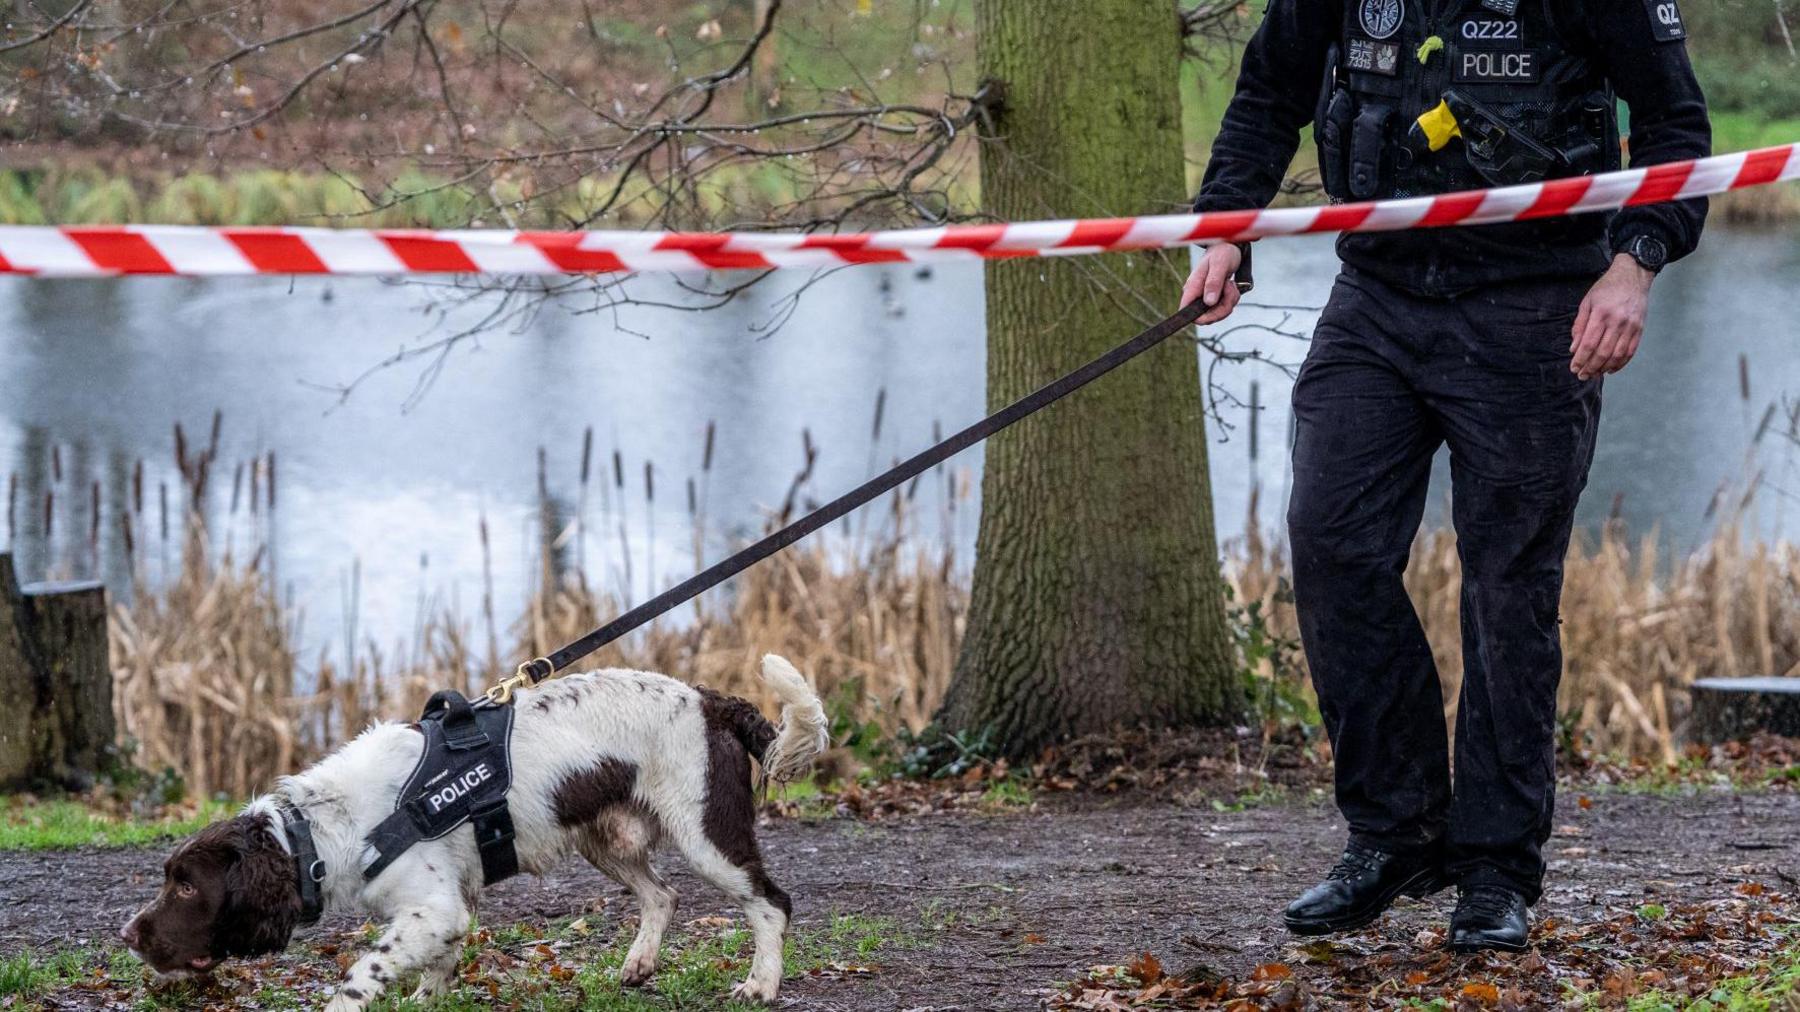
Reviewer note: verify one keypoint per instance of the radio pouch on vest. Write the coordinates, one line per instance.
(463, 775)
(1368, 148)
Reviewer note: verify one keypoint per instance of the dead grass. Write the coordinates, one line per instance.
(211, 681)
(1638, 628)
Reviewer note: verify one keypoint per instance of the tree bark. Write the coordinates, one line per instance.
(1733, 709)
(1097, 600)
(56, 718)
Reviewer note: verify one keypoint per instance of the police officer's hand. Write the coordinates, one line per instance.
(1212, 281)
(1611, 321)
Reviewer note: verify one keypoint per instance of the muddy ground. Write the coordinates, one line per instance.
(1004, 905)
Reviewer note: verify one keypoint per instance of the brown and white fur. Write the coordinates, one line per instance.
(606, 764)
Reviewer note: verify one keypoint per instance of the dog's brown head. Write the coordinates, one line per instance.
(228, 890)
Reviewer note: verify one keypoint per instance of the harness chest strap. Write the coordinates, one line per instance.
(463, 775)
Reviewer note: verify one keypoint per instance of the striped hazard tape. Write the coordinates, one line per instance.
(104, 250)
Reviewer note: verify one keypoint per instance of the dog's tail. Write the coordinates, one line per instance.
(804, 732)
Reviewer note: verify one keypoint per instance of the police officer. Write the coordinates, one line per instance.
(1492, 340)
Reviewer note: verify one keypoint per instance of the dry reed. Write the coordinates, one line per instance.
(1637, 632)
(210, 680)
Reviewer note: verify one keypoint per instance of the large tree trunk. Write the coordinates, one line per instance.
(1097, 599)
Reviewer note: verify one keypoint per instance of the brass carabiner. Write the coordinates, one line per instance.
(502, 691)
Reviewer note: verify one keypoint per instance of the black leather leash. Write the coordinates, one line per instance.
(533, 672)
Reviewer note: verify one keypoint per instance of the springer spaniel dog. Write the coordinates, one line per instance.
(606, 764)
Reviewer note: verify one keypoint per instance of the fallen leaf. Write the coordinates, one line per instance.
(1272, 971)
(1146, 968)
(1486, 994)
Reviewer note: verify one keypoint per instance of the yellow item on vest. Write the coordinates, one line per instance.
(1429, 46)
(1438, 126)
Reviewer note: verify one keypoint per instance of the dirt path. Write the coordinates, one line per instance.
(1007, 904)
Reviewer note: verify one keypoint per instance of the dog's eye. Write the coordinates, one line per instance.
(185, 890)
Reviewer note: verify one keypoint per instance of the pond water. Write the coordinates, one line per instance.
(381, 494)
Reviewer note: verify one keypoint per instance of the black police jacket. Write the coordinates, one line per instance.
(1412, 97)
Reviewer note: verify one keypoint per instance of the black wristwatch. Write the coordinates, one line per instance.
(1649, 252)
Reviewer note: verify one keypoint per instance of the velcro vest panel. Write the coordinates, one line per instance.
(1531, 104)
(463, 775)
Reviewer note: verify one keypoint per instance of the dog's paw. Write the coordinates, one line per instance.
(433, 983)
(756, 990)
(344, 1003)
(638, 969)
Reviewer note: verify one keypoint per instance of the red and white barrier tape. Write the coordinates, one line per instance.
(88, 251)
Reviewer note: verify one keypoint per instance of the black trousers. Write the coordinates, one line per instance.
(1391, 377)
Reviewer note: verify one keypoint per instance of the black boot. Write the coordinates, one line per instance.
(1489, 917)
(1364, 883)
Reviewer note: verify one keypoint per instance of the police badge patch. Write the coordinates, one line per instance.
(1373, 57)
(1381, 18)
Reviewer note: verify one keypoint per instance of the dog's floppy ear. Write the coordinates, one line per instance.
(262, 900)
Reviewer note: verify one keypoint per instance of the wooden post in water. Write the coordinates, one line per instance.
(1732, 709)
(56, 718)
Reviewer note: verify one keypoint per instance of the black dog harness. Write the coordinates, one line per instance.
(463, 775)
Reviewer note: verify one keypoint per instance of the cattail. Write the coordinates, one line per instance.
(212, 443)
(271, 480)
(649, 483)
(56, 464)
(255, 484)
(12, 503)
(237, 486)
(618, 469)
(706, 457)
(181, 455)
(587, 454)
(1255, 413)
(49, 514)
(1762, 427)
(125, 533)
(94, 515)
(543, 474)
(693, 497)
(1744, 376)
(137, 486)
(162, 496)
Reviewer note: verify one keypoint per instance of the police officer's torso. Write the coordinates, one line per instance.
(1515, 77)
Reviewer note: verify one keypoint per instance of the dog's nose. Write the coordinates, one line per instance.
(129, 934)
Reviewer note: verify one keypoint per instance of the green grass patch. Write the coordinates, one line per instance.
(565, 967)
(64, 824)
(1774, 987)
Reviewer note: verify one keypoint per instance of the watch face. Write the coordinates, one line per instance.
(1650, 252)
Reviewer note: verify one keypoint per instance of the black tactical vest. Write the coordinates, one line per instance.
(1529, 104)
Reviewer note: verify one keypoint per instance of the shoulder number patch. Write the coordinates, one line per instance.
(1506, 7)
(1665, 21)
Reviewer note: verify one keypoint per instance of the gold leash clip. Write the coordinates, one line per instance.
(524, 678)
